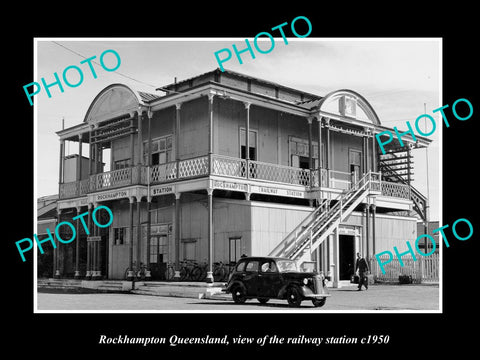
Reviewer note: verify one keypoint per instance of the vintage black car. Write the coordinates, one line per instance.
(267, 278)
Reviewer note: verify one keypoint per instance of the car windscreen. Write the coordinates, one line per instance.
(286, 265)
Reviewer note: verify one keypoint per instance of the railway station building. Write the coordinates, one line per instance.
(224, 164)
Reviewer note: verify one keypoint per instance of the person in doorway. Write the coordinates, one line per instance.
(361, 268)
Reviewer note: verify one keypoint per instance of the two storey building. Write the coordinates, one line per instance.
(224, 164)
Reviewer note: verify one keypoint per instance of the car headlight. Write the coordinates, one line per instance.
(305, 281)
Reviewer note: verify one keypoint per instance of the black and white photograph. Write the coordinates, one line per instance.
(188, 187)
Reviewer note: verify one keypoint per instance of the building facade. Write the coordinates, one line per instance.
(225, 164)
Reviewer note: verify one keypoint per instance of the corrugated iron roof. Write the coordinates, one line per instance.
(240, 75)
(147, 97)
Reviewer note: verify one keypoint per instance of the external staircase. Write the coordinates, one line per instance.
(315, 228)
(398, 169)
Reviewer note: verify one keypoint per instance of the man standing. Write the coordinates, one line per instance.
(361, 267)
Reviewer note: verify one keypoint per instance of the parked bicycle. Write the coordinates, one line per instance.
(199, 273)
(187, 268)
(221, 271)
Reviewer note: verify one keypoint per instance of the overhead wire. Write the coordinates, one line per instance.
(96, 63)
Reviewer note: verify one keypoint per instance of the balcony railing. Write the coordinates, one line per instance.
(395, 190)
(163, 173)
(222, 166)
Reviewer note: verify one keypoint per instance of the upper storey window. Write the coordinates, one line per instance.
(162, 150)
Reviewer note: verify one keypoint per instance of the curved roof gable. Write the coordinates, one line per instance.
(114, 101)
(344, 103)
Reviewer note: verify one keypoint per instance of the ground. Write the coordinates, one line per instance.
(377, 297)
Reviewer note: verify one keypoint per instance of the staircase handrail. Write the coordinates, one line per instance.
(312, 219)
(307, 220)
(333, 212)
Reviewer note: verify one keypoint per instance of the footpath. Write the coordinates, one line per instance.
(198, 290)
(195, 290)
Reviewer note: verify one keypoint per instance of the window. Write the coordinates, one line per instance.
(354, 159)
(269, 266)
(299, 153)
(121, 164)
(252, 266)
(154, 250)
(159, 249)
(163, 248)
(241, 266)
(252, 144)
(189, 249)
(287, 265)
(162, 150)
(119, 236)
(234, 249)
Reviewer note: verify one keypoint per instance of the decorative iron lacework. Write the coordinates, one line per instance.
(121, 177)
(228, 166)
(163, 172)
(193, 167)
(277, 173)
(395, 190)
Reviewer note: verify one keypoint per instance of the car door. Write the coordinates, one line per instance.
(269, 279)
(250, 277)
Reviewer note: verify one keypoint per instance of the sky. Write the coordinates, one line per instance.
(398, 77)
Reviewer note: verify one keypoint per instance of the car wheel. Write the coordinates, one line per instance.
(294, 297)
(239, 294)
(319, 302)
(263, 300)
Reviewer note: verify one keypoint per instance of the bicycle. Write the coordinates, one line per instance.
(199, 273)
(219, 271)
(186, 269)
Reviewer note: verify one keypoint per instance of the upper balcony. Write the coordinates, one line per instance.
(222, 166)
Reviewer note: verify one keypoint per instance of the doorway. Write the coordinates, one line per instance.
(354, 159)
(158, 256)
(347, 256)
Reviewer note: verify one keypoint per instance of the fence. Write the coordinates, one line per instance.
(426, 269)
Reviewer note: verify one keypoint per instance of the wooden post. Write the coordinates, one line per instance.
(89, 253)
(177, 236)
(149, 198)
(210, 236)
(140, 160)
(77, 245)
(132, 150)
(62, 160)
(247, 140)
(177, 137)
(210, 133)
(139, 233)
(320, 154)
(367, 230)
(130, 253)
(56, 272)
(327, 145)
(374, 207)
